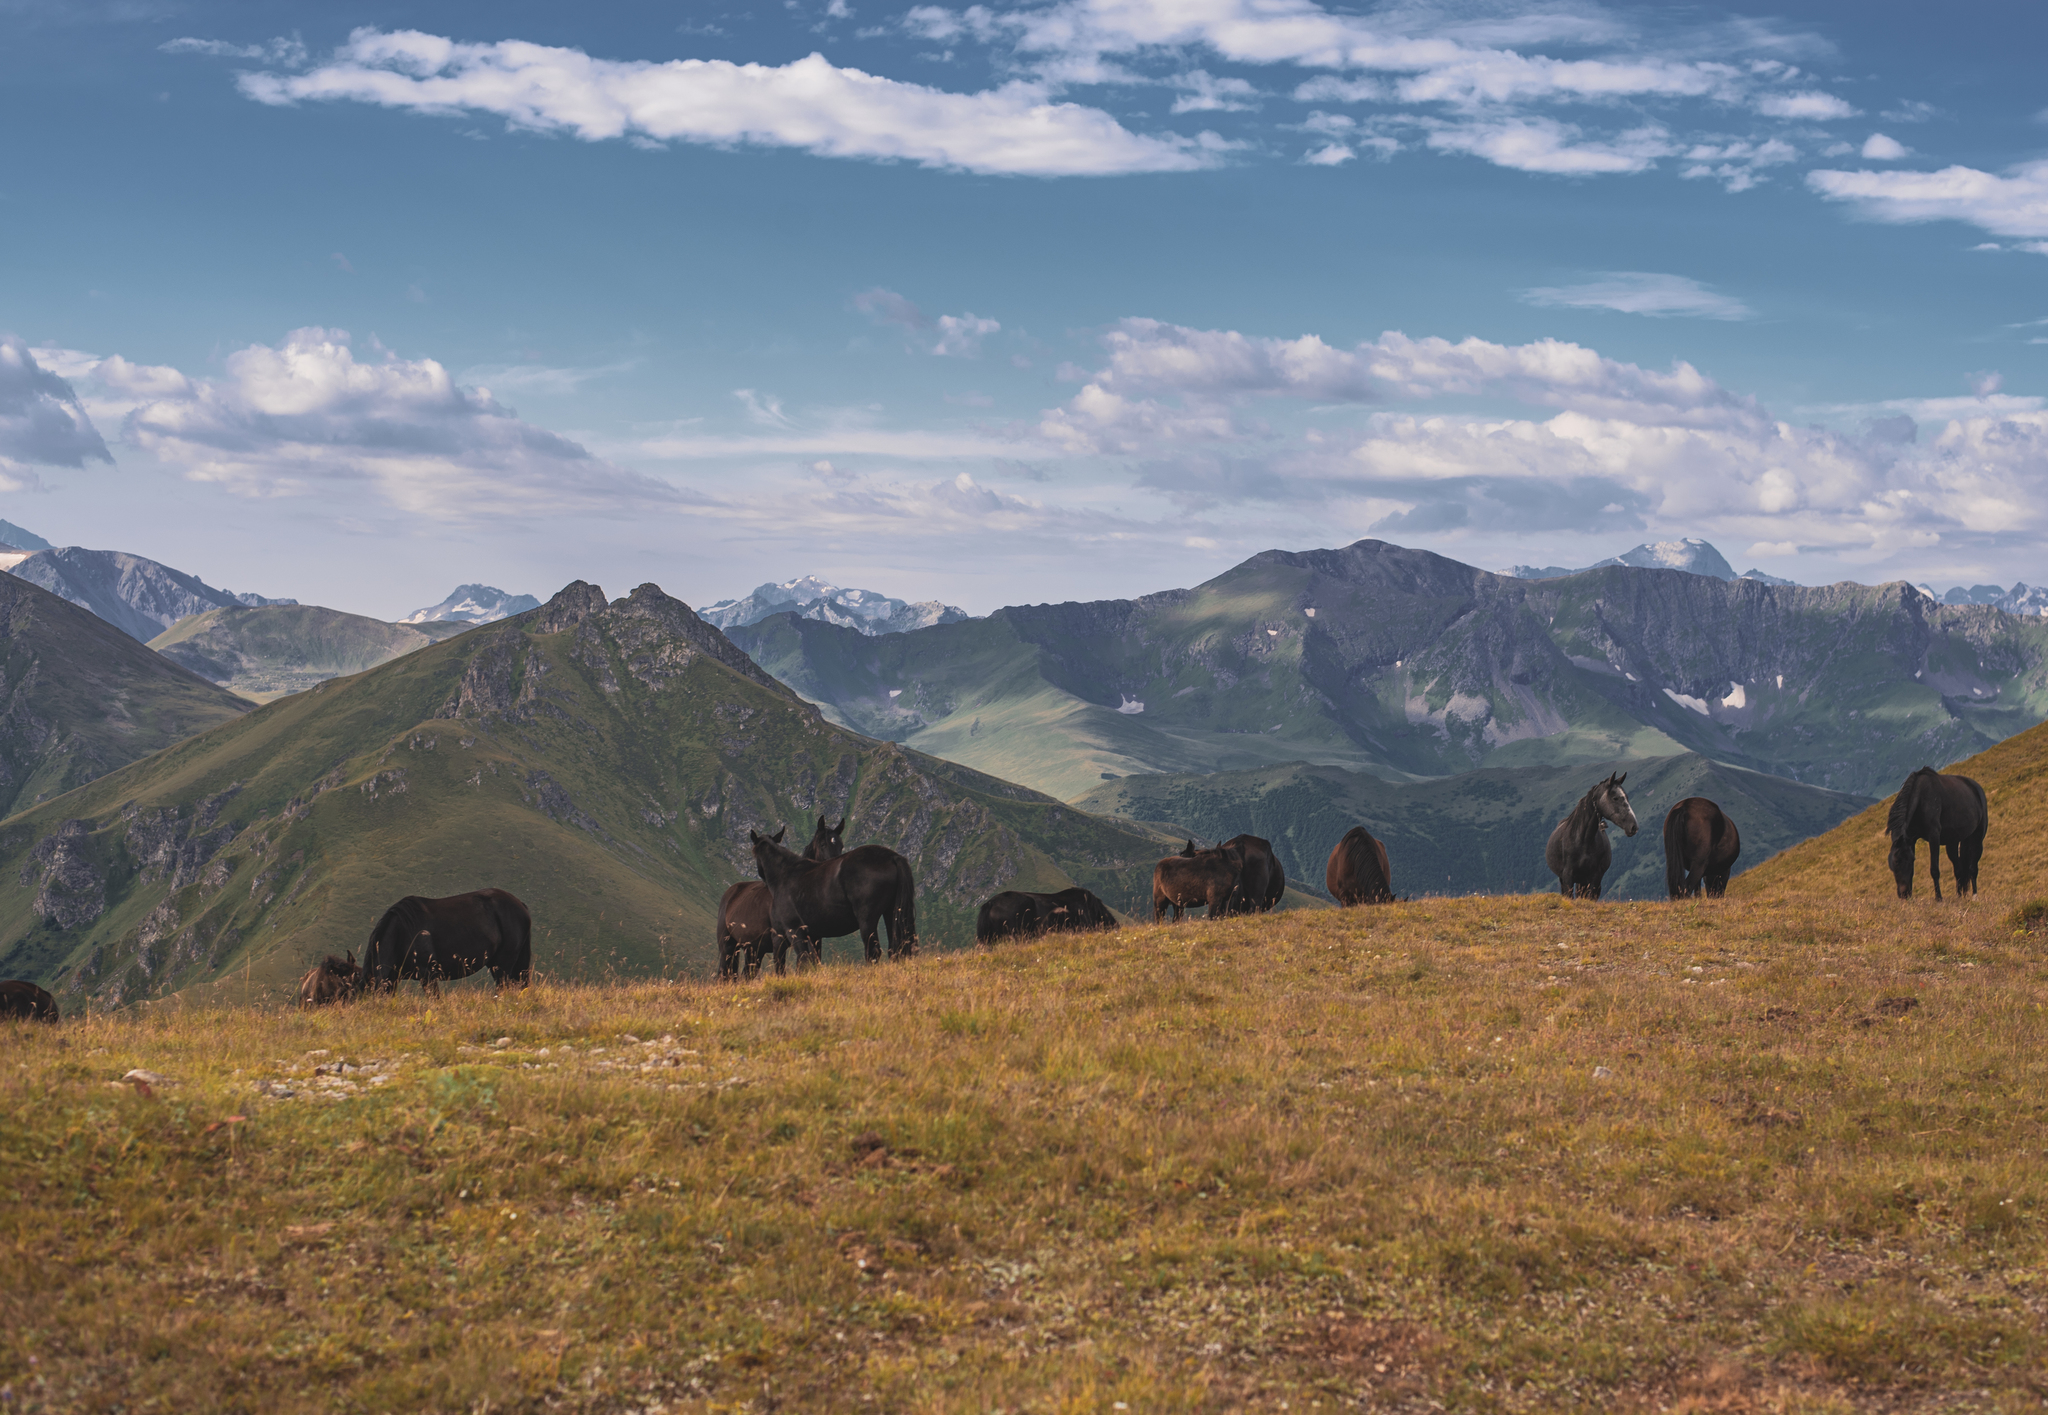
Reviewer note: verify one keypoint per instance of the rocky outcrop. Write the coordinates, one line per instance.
(71, 883)
(138, 596)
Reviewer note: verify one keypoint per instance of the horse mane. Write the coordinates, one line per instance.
(1901, 817)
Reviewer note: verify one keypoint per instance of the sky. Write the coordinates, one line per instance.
(998, 304)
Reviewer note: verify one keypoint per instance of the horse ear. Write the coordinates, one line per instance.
(837, 829)
(821, 822)
(351, 958)
(777, 837)
(1621, 778)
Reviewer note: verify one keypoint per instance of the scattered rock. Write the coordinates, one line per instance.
(1897, 1006)
(138, 1076)
(1601, 1073)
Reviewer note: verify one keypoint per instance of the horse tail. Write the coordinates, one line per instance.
(515, 923)
(1674, 853)
(903, 916)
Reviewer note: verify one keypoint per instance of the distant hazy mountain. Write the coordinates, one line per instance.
(270, 650)
(867, 611)
(474, 604)
(1399, 662)
(139, 596)
(12, 534)
(2020, 599)
(1691, 555)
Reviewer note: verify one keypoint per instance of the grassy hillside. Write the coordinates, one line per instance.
(604, 763)
(1777, 1152)
(1481, 832)
(267, 652)
(79, 698)
(1406, 664)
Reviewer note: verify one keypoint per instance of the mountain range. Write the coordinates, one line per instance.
(1405, 664)
(864, 611)
(138, 596)
(79, 698)
(604, 761)
(2020, 599)
(1691, 555)
(272, 651)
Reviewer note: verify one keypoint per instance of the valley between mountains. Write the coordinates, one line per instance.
(606, 759)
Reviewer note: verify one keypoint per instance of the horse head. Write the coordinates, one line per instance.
(1614, 804)
(1901, 861)
(1189, 849)
(771, 860)
(828, 842)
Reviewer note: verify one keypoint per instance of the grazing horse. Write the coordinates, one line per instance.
(1263, 881)
(25, 1002)
(1016, 914)
(1578, 852)
(1193, 877)
(1358, 872)
(1947, 812)
(432, 939)
(1700, 846)
(332, 980)
(813, 900)
(743, 926)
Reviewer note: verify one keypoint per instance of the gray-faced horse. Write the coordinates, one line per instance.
(1578, 852)
(1948, 812)
(1700, 846)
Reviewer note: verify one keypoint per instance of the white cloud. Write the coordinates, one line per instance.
(287, 51)
(1640, 292)
(1545, 145)
(959, 336)
(1208, 93)
(307, 414)
(1737, 163)
(766, 411)
(1879, 148)
(1329, 155)
(2012, 205)
(1811, 104)
(41, 418)
(809, 104)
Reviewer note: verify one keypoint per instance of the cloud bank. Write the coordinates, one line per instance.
(41, 419)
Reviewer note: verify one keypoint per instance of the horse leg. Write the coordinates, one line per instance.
(1934, 866)
(1955, 867)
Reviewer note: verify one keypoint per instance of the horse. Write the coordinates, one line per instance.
(432, 939)
(1700, 846)
(1578, 852)
(1358, 872)
(743, 926)
(332, 980)
(1263, 881)
(813, 900)
(1016, 914)
(1944, 811)
(25, 1002)
(1193, 877)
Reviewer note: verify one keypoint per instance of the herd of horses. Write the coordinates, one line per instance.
(828, 891)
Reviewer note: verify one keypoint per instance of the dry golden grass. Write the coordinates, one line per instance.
(1775, 1152)
(1322, 1160)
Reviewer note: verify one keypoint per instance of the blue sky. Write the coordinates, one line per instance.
(1016, 303)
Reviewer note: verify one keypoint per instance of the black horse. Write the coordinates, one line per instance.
(1578, 852)
(1017, 914)
(25, 1002)
(436, 939)
(1358, 872)
(1263, 882)
(813, 900)
(1948, 812)
(744, 928)
(1700, 846)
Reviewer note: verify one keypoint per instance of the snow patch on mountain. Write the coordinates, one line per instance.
(473, 604)
(868, 611)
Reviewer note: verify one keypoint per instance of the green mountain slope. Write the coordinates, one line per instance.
(603, 762)
(1479, 832)
(1406, 664)
(265, 652)
(79, 698)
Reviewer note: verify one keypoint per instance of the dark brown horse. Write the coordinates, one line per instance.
(25, 1002)
(1578, 852)
(1358, 872)
(1700, 846)
(744, 931)
(1194, 877)
(813, 900)
(436, 939)
(332, 980)
(1948, 812)
(1016, 914)
(1263, 882)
